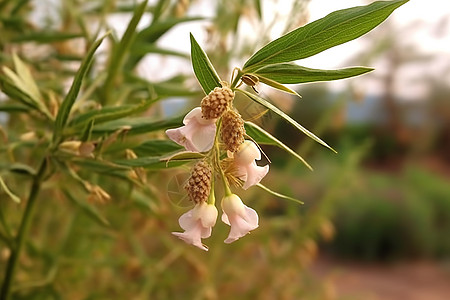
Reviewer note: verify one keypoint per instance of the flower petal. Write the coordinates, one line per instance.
(254, 175)
(192, 237)
(197, 134)
(241, 226)
(187, 221)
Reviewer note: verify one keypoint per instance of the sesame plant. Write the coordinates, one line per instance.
(101, 138)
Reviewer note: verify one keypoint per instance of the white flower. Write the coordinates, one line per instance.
(240, 217)
(197, 223)
(197, 134)
(246, 168)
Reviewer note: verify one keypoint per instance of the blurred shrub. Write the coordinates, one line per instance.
(388, 217)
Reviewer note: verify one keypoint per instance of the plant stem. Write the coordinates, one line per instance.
(23, 232)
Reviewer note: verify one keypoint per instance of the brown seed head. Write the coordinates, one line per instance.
(198, 185)
(232, 131)
(216, 102)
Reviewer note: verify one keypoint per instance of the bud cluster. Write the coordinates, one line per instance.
(198, 185)
(232, 131)
(216, 102)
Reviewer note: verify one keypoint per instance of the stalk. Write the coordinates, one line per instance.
(23, 232)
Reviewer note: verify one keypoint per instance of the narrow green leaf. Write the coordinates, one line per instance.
(136, 125)
(279, 112)
(87, 131)
(289, 73)
(100, 166)
(46, 37)
(8, 192)
(334, 29)
(23, 169)
(153, 163)
(13, 107)
(88, 209)
(152, 33)
(183, 155)
(110, 113)
(156, 148)
(118, 54)
(203, 69)
(19, 85)
(277, 85)
(263, 137)
(69, 100)
(24, 73)
(276, 194)
(145, 48)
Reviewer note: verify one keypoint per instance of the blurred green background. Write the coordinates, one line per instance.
(382, 202)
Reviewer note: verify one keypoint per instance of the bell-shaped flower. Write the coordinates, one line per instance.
(197, 134)
(240, 217)
(245, 164)
(197, 224)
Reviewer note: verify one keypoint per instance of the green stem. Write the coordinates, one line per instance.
(23, 232)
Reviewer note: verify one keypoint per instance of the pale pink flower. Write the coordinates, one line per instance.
(197, 134)
(240, 217)
(246, 168)
(197, 224)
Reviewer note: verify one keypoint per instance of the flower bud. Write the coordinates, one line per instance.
(216, 102)
(232, 131)
(198, 185)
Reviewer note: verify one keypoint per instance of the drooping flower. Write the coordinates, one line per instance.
(239, 216)
(197, 134)
(245, 164)
(197, 224)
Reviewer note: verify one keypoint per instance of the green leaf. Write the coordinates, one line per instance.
(8, 192)
(153, 163)
(263, 137)
(156, 148)
(69, 100)
(24, 73)
(144, 48)
(152, 33)
(279, 112)
(277, 85)
(46, 37)
(13, 107)
(203, 69)
(100, 166)
(23, 169)
(289, 73)
(278, 194)
(110, 113)
(118, 54)
(87, 131)
(136, 125)
(88, 209)
(334, 29)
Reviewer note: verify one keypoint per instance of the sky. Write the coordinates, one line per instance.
(419, 22)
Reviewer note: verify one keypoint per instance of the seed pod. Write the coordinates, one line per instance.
(198, 185)
(232, 131)
(250, 80)
(216, 102)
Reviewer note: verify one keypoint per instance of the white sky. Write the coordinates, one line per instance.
(424, 14)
